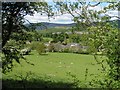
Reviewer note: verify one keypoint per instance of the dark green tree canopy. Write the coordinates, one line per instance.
(13, 16)
(13, 23)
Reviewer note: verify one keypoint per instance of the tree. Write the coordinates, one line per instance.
(12, 22)
(40, 48)
(102, 37)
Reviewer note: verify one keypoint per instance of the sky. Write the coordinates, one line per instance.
(65, 18)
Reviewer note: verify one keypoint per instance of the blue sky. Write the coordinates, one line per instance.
(65, 18)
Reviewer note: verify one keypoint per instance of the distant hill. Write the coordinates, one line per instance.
(45, 25)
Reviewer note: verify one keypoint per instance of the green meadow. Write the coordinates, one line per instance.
(57, 67)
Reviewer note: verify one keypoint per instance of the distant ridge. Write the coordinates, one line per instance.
(44, 25)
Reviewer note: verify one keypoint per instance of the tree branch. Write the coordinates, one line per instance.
(94, 4)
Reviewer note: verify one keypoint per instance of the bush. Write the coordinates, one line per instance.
(40, 48)
(73, 49)
(50, 48)
(33, 45)
(66, 50)
(57, 47)
(82, 51)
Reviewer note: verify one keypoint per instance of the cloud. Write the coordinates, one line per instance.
(36, 18)
(66, 18)
(109, 13)
(112, 13)
(96, 8)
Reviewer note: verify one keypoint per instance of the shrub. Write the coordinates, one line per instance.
(51, 48)
(66, 50)
(83, 51)
(40, 48)
(58, 47)
(33, 45)
(73, 49)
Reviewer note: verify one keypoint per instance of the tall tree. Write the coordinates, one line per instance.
(102, 36)
(12, 22)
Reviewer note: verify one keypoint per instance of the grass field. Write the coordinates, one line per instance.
(54, 30)
(56, 66)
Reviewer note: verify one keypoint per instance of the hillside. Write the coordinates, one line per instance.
(47, 25)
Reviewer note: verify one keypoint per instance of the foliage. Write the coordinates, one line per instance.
(75, 38)
(58, 37)
(75, 82)
(12, 52)
(46, 39)
(66, 48)
(50, 47)
(102, 37)
(26, 51)
(105, 83)
(40, 47)
(105, 39)
(30, 80)
(13, 27)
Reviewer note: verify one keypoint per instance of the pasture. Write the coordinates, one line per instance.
(57, 67)
(54, 30)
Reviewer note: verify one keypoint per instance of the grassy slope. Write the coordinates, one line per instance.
(56, 66)
(53, 30)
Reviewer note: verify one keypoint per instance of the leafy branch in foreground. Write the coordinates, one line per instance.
(102, 37)
(13, 14)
